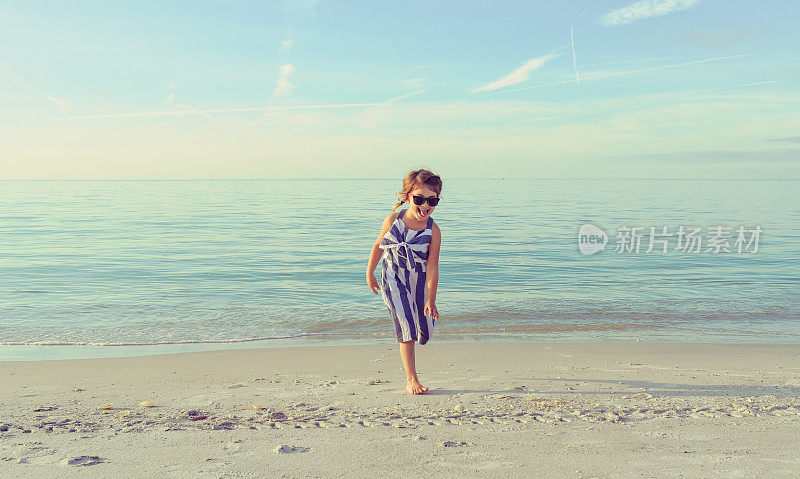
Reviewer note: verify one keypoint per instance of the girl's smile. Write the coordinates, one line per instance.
(423, 211)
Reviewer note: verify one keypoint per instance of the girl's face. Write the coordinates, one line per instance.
(423, 211)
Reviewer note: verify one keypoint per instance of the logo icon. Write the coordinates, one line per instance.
(591, 239)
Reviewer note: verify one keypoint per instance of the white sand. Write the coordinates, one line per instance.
(520, 410)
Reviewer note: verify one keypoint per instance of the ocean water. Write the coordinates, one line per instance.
(120, 268)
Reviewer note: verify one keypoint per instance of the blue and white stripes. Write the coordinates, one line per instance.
(403, 279)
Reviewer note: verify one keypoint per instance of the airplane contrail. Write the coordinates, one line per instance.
(574, 61)
(630, 72)
(572, 44)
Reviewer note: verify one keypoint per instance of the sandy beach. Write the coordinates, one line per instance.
(627, 409)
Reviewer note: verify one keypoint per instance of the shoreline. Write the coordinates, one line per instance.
(553, 408)
(10, 353)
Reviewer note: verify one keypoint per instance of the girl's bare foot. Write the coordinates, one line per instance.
(414, 387)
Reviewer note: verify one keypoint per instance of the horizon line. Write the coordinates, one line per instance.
(382, 179)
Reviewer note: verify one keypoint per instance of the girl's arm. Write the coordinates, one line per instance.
(433, 263)
(376, 252)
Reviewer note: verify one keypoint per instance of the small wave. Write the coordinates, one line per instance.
(160, 343)
(330, 332)
(347, 325)
(545, 328)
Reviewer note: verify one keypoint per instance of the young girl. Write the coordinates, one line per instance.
(410, 241)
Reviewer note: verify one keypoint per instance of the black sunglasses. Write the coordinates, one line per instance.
(418, 200)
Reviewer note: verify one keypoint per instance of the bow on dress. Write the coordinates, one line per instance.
(414, 250)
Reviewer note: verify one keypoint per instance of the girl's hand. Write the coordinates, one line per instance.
(430, 310)
(373, 284)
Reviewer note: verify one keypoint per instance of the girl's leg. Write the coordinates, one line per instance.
(407, 354)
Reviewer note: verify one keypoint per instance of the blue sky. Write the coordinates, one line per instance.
(346, 89)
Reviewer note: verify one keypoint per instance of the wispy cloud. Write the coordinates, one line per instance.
(402, 97)
(65, 105)
(170, 100)
(286, 45)
(743, 85)
(645, 9)
(787, 139)
(224, 110)
(630, 72)
(517, 76)
(380, 113)
(416, 84)
(301, 6)
(3, 72)
(304, 4)
(284, 87)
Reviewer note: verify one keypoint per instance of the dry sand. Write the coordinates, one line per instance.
(634, 409)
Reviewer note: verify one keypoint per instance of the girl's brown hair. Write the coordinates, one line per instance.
(418, 178)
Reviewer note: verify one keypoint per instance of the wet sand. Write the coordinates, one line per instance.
(494, 409)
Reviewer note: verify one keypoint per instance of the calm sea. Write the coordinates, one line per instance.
(122, 268)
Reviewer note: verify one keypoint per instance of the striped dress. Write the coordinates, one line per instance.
(403, 277)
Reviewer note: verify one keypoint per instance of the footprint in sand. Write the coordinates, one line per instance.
(375, 382)
(45, 408)
(232, 446)
(83, 461)
(455, 444)
(286, 449)
(33, 454)
(195, 415)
